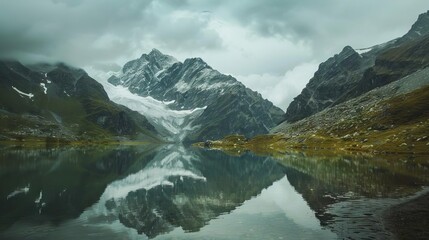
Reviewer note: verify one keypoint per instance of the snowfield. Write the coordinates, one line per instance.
(175, 124)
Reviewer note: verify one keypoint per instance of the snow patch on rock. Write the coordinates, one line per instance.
(23, 94)
(45, 89)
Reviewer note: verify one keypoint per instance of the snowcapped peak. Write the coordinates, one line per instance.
(174, 98)
(158, 58)
(152, 65)
(155, 52)
(197, 62)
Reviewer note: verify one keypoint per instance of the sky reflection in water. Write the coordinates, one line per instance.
(174, 192)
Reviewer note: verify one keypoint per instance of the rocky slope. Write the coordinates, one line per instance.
(354, 72)
(59, 102)
(193, 85)
(392, 118)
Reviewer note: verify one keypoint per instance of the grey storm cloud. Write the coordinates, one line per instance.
(327, 24)
(86, 31)
(268, 45)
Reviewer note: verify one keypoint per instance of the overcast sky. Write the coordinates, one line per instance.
(272, 46)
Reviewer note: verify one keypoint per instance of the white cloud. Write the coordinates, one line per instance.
(281, 89)
(243, 52)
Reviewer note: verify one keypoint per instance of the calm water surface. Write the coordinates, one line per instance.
(173, 192)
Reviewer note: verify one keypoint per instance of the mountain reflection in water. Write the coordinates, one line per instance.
(138, 192)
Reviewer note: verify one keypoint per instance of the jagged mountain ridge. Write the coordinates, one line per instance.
(229, 107)
(354, 72)
(58, 101)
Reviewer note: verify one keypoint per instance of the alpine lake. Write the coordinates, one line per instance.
(179, 192)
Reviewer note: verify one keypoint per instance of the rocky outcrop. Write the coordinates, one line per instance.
(229, 107)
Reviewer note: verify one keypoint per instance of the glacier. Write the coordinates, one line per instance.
(174, 124)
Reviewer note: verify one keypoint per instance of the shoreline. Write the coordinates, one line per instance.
(36, 143)
(279, 144)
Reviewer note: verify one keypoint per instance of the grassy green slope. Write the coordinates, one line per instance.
(74, 107)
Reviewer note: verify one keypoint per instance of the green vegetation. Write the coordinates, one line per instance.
(70, 108)
(397, 125)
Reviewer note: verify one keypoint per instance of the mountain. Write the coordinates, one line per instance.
(391, 118)
(47, 101)
(221, 105)
(372, 100)
(354, 72)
